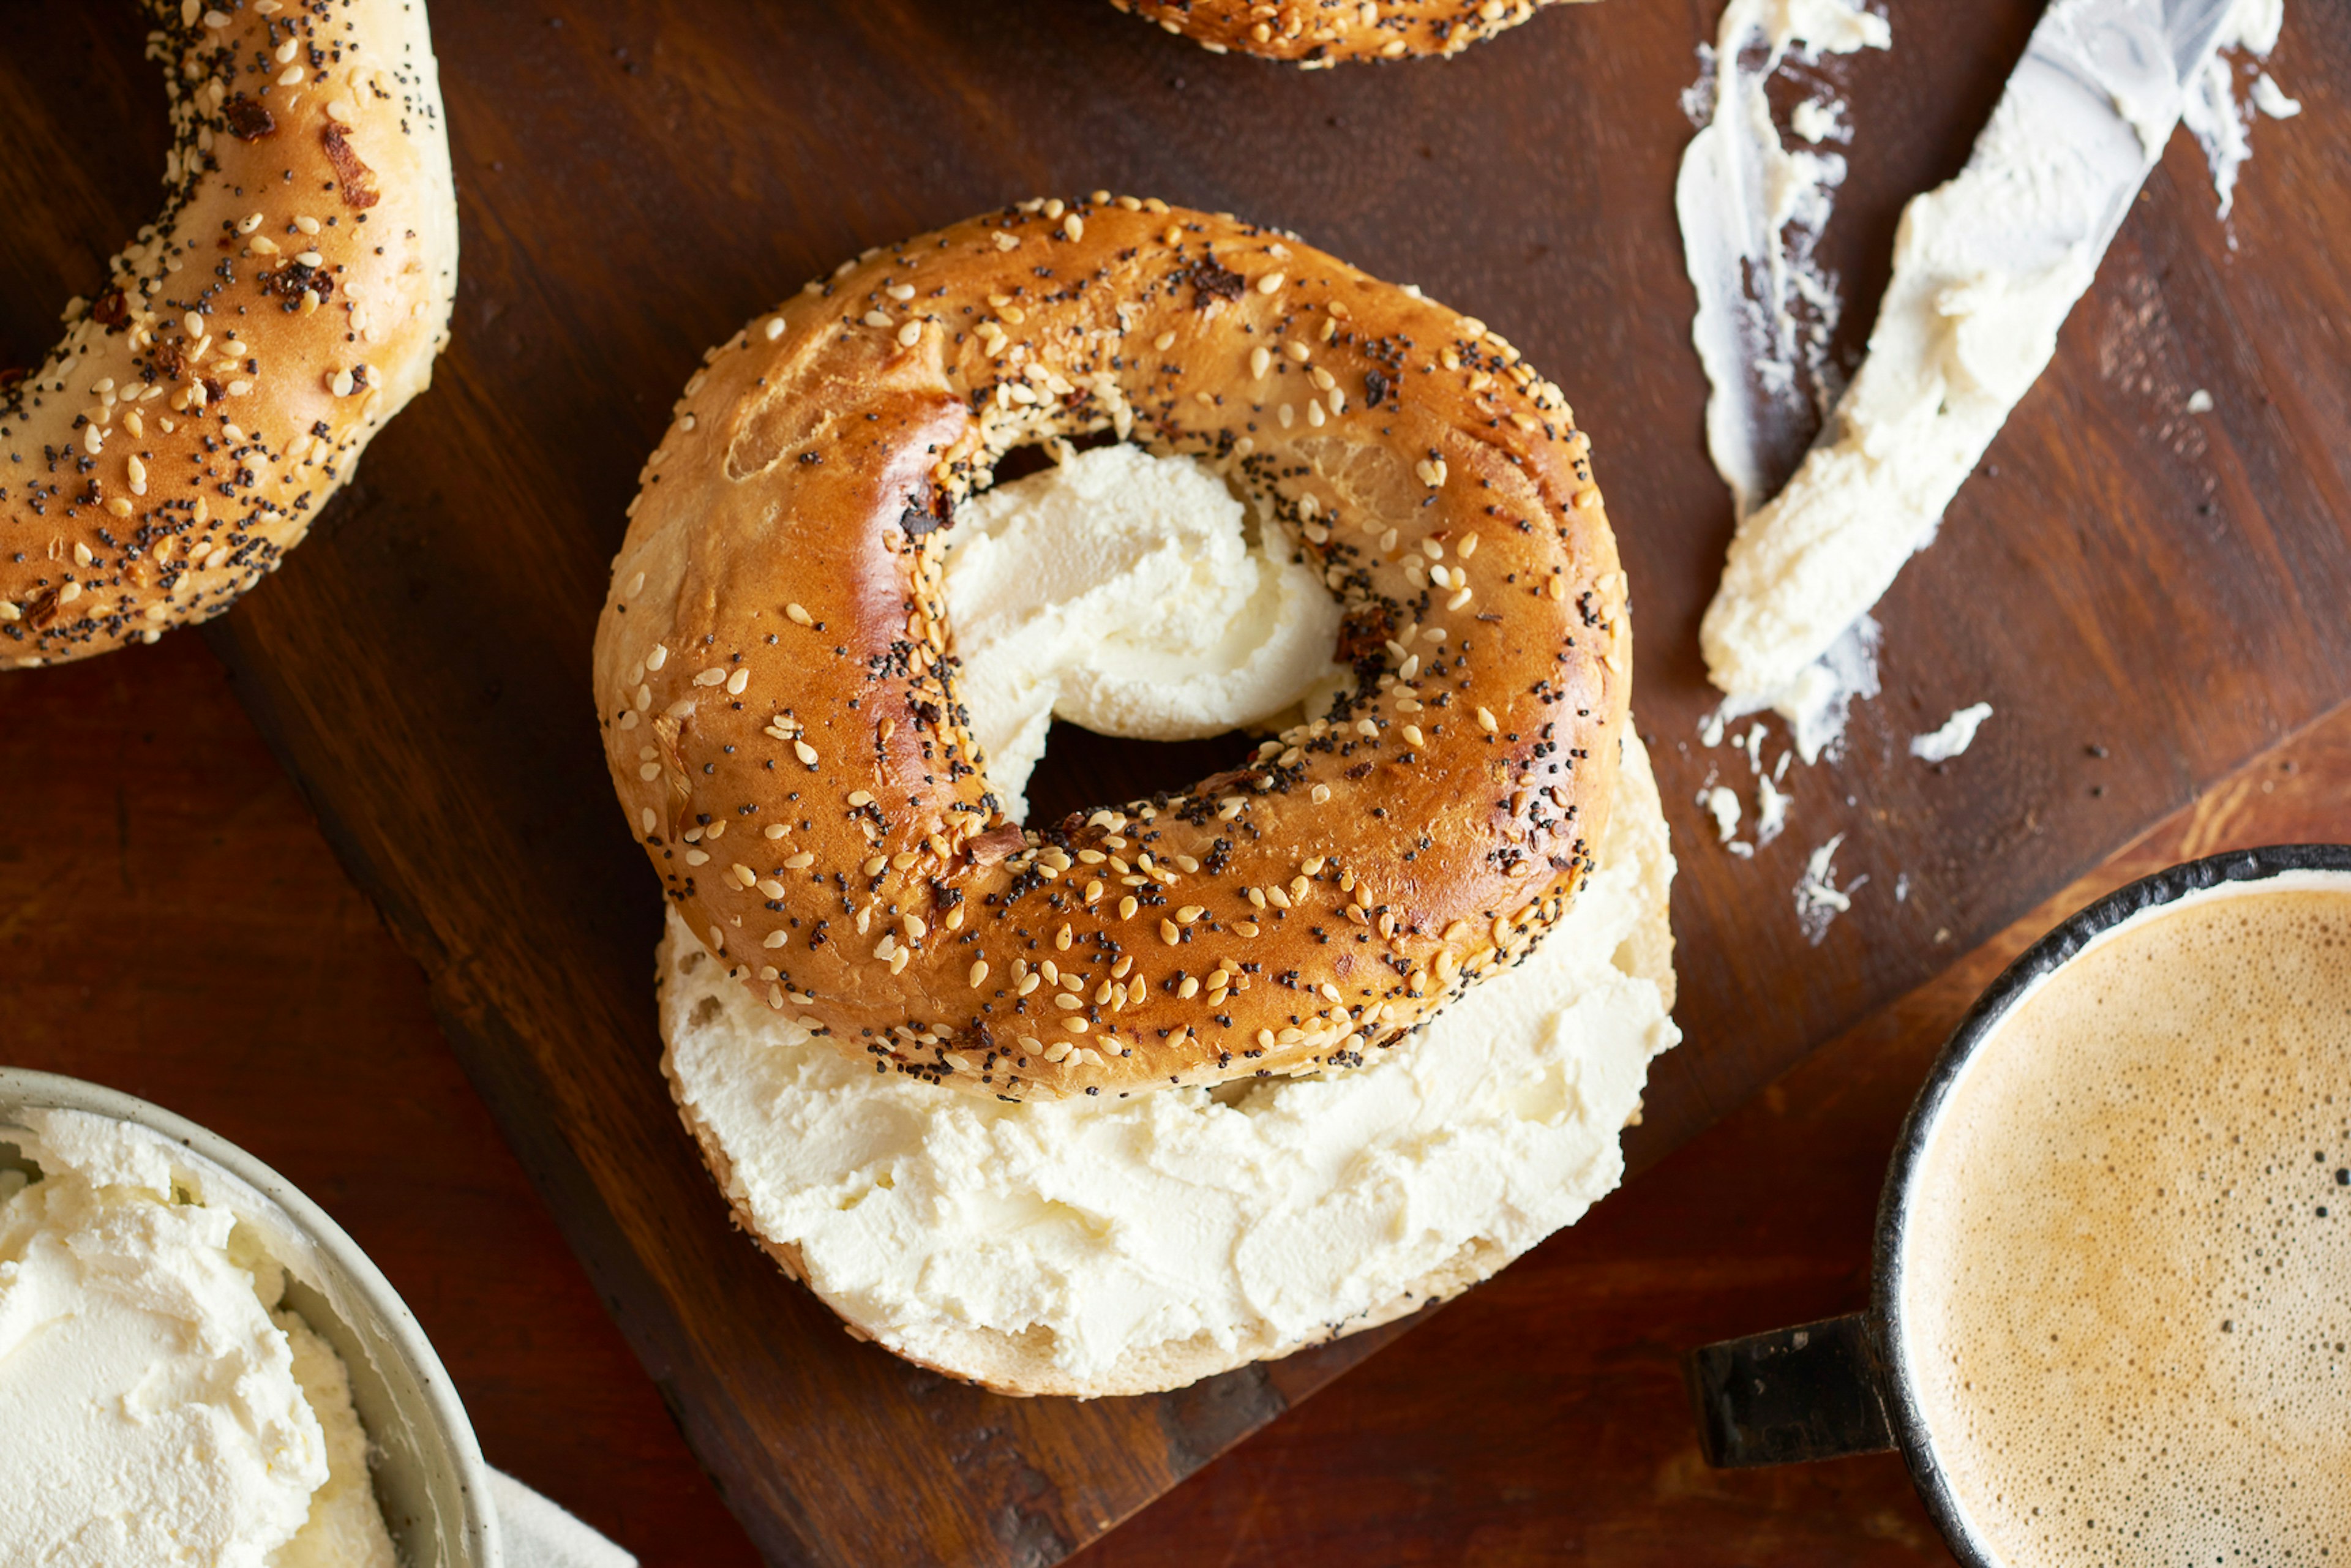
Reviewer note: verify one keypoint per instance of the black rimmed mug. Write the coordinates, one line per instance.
(1848, 1386)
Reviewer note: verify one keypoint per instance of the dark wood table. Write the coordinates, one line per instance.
(2149, 600)
(1539, 1420)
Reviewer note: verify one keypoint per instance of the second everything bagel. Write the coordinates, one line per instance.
(1317, 34)
(288, 301)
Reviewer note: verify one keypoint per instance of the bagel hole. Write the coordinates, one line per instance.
(1081, 771)
(92, 131)
(1036, 457)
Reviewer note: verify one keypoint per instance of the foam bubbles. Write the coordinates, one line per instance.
(2126, 1287)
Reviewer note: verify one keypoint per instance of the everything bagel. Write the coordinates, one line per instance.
(776, 677)
(1321, 33)
(287, 301)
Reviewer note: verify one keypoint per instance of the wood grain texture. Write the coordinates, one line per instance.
(639, 177)
(290, 1019)
(142, 810)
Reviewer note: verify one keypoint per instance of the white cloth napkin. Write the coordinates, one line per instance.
(539, 1534)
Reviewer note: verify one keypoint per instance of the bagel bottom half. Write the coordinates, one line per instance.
(1128, 1243)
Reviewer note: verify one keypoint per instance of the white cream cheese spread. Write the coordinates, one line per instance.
(1956, 733)
(1751, 210)
(159, 1405)
(1263, 1218)
(1254, 1217)
(2215, 115)
(1125, 592)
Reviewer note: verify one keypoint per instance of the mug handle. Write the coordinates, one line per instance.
(1811, 1392)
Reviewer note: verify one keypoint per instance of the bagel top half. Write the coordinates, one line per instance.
(287, 301)
(776, 677)
(1314, 33)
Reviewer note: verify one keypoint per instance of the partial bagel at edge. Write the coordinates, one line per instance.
(775, 674)
(1314, 34)
(246, 345)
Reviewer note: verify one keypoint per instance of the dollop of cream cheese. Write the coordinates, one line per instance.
(1259, 1219)
(159, 1406)
(1130, 594)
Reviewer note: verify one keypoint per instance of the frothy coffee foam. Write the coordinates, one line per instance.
(2127, 1284)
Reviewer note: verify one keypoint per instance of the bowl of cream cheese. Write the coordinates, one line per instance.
(197, 1365)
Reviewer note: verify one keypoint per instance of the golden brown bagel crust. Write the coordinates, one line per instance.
(288, 301)
(775, 677)
(1320, 33)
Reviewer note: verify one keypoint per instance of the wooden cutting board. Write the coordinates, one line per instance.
(2144, 596)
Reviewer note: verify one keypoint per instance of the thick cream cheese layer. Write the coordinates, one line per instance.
(1262, 1217)
(1125, 592)
(157, 1405)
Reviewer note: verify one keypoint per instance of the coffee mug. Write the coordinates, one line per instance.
(2114, 1210)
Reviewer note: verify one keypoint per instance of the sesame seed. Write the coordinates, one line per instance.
(1271, 283)
(792, 612)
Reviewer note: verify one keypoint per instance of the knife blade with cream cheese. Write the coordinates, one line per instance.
(1985, 268)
